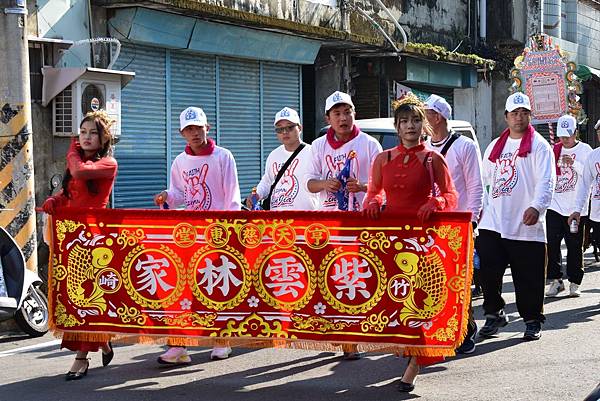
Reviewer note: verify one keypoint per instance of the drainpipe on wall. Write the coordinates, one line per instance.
(483, 20)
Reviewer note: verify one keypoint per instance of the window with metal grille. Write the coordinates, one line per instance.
(63, 113)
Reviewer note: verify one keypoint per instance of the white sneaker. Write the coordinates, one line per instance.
(174, 355)
(555, 287)
(220, 353)
(574, 290)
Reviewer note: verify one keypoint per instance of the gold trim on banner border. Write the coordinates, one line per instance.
(254, 322)
(63, 227)
(375, 241)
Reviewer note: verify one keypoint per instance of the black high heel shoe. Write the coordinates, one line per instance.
(79, 374)
(405, 387)
(106, 358)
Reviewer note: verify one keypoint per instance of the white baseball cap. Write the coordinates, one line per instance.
(337, 97)
(192, 116)
(517, 100)
(566, 126)
(440, 105)
(597, 125)
(288, 114)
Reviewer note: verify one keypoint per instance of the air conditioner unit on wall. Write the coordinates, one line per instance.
(77, 91)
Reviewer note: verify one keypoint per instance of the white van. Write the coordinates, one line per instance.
(383, 130)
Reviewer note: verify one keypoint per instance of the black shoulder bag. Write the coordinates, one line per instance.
(266, 202)
(453, 138)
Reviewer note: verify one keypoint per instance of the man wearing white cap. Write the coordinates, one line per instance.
(343, 145)
(330, 152)
(203, 177)
(464, 161)
(519, 175)
(570, 155)
(589, 187)
(284, 190)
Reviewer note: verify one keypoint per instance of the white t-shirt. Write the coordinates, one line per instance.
(204, 182)
(591, 183)
(569, 180)
(327, 162)
(289, 193)
(464, 161)
(514, 184)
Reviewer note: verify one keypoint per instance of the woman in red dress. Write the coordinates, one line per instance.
(88, 182)
(412, 179)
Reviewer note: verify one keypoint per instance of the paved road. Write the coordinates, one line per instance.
(563, 365)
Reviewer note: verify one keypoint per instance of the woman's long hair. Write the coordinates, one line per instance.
(103, 123)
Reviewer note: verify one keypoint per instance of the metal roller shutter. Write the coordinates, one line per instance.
(240, 98)
(141, 151)
(240, 116)
(281, 88)
(193, 83)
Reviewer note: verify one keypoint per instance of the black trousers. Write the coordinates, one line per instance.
(527, 260)
(557, 229)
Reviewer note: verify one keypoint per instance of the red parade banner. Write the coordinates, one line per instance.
(286, 279)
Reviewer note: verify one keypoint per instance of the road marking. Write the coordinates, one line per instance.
(15, 351)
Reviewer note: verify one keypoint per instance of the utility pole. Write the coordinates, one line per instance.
(17, 192)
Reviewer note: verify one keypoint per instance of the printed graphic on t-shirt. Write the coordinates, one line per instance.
(335, 164)
(596, 194)
(196, 195)
(287, 188)
(566, 181)
(506, 175)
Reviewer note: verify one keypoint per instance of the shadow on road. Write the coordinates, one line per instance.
(371, 378)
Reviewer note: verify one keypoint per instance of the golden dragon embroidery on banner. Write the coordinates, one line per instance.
(189, 319)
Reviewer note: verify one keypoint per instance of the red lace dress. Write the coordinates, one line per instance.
(103, 173)
(401, 177)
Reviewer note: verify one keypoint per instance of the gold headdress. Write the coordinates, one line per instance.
(407, 99)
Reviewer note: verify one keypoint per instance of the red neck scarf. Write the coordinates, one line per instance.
(524, 147)
(205, 151)
(557, 149)
(334, 143)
